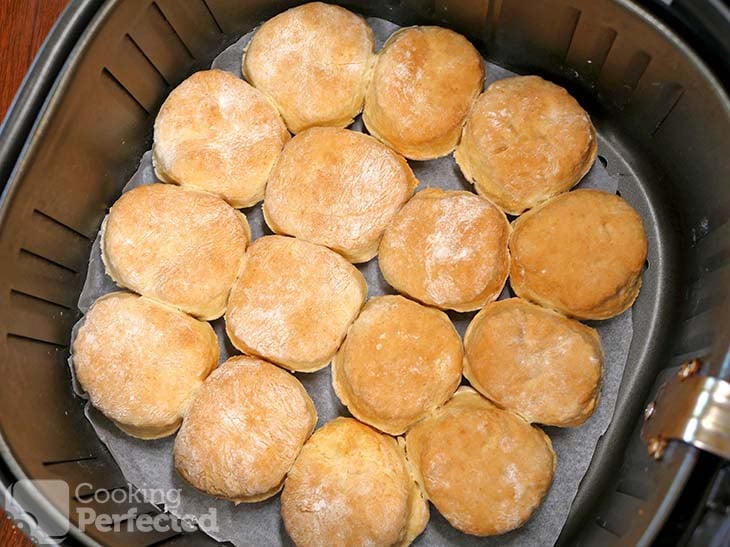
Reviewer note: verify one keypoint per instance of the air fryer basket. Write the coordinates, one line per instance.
(665, 126)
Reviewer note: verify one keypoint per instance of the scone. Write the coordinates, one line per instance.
(293, 302)
(525, 140)
(352, 485)
(485, 469)
(534, 362)
(400, 361)
(141, 362)
(183, 247)
(424, 83)
(338, 188)
(581, 253)
(244, 430)
(216, 133)
(314, 62)
(447, 249)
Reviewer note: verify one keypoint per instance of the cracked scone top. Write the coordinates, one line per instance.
(244, 430)
(338, 188)
(183, 247)
(485, 469)
(314, 62)
(399, 361)
(217, 133)
(352, 485)
(141, 362)
(293, 302)
(447, 249)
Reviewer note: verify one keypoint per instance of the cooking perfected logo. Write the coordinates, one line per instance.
(124, 509)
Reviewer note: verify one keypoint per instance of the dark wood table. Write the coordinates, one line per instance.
(24, 24)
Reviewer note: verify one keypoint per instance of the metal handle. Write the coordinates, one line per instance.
(690, 408)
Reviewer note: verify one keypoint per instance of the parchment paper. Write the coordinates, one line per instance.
(148, 464)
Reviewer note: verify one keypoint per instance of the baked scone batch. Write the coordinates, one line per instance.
(447, 249)
(424, 83)
(141, 362)
(338, 188)
(485, 469)
(581, 253)
(294, 302)
(525, 141)
(399, 362)
(534, 362)
(179, 246)
(352, 485)
(217, 133)
(244, 430)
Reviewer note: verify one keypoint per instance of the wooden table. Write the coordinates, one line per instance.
(24, 24)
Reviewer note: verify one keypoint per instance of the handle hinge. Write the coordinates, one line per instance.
(690, 408)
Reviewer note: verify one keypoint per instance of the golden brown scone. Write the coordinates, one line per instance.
(216, 133)
(244, 430)
(183, 247)
(314, 61)
(581, 253)
(534, 362)
(485, 469)
(447, 249)
(293, 302)
(400, 361)
(141, 362)
(338, 188)
(525, 141)
(424, 83)
(352, 485)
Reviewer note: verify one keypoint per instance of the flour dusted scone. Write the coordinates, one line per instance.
(338, 188)
(293, 302)
(485, 469)
(424, 82)
(244, 430)
(525, 140)
(183, 247)
(534, 362)
(400, 361)
(581, 253)
(447, 249)
(352, 485)
(141, 362)
(314, 62)
(216, 133)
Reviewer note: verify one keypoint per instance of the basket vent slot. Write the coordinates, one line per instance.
(40, 299)
(109, 77)
(635, 69)
(47, 261)
(212, 16)
(670, 95)
(70, 460)
(144, 54)
(23, 337)
(60, 223)
(156, 8)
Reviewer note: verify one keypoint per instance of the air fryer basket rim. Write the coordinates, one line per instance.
(12, 469)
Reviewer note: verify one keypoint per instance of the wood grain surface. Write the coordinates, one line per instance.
(24, 24)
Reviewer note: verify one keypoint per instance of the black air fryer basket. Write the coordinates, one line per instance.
(654, 76)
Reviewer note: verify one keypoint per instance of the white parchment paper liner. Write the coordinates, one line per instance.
(148, 464)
